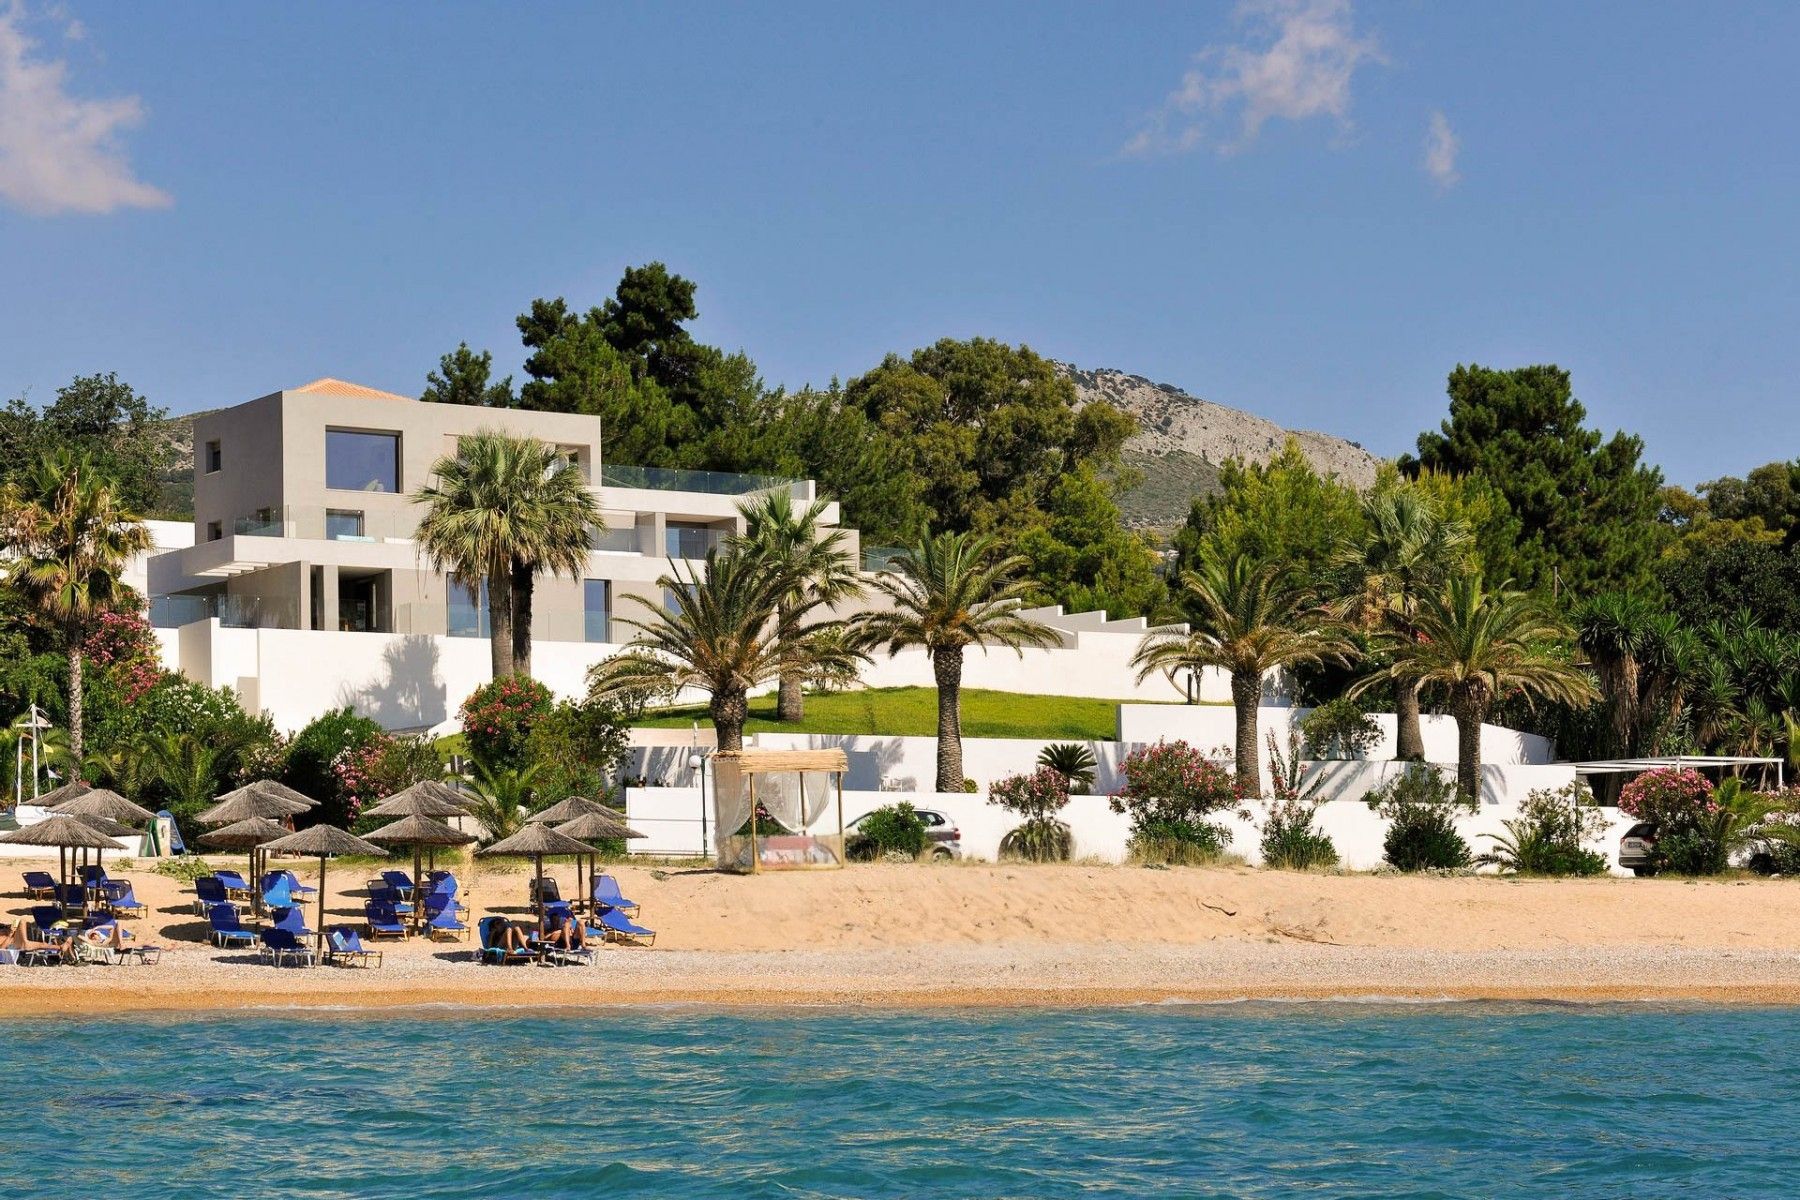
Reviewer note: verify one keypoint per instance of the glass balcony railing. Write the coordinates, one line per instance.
(616, 541)
(232, 612)
(876, 558)
(338, 524)
(664, 479)
(689, 541)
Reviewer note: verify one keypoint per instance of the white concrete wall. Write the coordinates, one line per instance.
(671, 819)
(1208, 726)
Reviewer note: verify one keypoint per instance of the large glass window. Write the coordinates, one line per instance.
(468, 613)
(362, 462)
(689, 541)
(597, 608)
(343, 523)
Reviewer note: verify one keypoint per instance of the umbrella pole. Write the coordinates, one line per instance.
(319, 933)
(62, 880)
(418, 898)
(539, 860)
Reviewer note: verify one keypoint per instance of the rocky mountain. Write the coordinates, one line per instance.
(1182, 439)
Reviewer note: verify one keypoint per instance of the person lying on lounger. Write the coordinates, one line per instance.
(19, 938)
(509, 937)
(567, 933)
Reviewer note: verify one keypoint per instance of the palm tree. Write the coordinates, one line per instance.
(498, 511)
(1248, 618)
(1479, 645)
(947, 593)
(501, 798)
(1409, 548)
(71, 537)
(186, 766)
(727, 632)
(813, 556)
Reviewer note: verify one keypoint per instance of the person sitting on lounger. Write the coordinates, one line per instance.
(509, 937)
(566, 932)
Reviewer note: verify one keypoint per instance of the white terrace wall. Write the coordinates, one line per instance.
(416, 681)
(671, 819)
(1208, 726)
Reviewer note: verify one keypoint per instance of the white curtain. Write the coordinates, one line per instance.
(731, 805)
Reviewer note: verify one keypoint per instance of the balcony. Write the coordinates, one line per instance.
(663, 479)
(337, 524)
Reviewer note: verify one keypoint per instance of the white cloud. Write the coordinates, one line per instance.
(1295, 61)
(1441, 149)
(60, 153)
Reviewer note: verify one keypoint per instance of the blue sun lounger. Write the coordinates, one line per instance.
(282, 945)
(607, 895)
(440, 916)
(39, 885)
(234, 884)
(346, 948)
(620, 928)
(382, 920)
(208, 891)
(121, 899)
(226, 931)
(292, 920)
(496, 954)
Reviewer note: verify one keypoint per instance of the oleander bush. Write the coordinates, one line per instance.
(1037, 797)
(1290, 837)
(892, 828)
(1169, 791)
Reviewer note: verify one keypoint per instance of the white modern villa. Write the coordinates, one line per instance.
(302, 587)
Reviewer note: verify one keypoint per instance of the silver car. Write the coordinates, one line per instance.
(1637, 849)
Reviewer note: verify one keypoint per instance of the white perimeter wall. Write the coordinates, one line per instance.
(671, 818)
(416, 681)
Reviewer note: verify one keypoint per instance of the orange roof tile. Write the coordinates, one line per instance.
(338, 387)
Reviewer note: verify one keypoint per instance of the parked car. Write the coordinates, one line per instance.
(1637, 849)
(942, 838)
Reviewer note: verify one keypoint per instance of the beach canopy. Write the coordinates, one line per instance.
(533, 842)
(420, 831)
(252, 833)
(247, 834)
(60, 829)
(65, 833)
(108, 826)
(568, 810)
(594, 827)
(263, 798)
(99, 802)
(427, 798)
(323, 841)
(63, 793)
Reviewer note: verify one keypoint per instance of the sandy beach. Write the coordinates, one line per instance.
(979, 934)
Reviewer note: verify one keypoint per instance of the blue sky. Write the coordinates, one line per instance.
(1310, 209)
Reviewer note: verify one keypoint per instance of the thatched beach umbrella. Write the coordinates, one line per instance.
(263, 798)
(63, 793)
(427, 798)
(252, 834)
(324, 841)
(65, 833)
(568, 810)
(107, 811)
(594, 827)
(533, 842)
(419, 832)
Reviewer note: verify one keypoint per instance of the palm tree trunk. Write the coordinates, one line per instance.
(524, 587)
(1409, 739)
(790, 702)
(1469, 713)
(729, 711)
(76, 733)
(947, 665)
(500, 621)
(1246, 697)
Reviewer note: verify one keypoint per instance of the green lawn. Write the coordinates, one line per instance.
(912, 712)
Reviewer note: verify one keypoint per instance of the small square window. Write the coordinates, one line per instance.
(214, 531)
(215, 458)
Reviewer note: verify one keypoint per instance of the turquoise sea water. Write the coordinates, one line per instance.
(1239, 1100)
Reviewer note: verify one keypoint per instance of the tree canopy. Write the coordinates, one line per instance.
(99, 418)
(1585, 504)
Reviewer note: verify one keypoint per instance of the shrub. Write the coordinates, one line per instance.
(1037, 797)
(184, 867)
(1169, 791)
(890, 828)
(1339, 729)
(1421, 804)
(581, 745)
(1680, 803)
(314, 757)
(498, 717)
(1073, 761)
(1289, 837)
(1546, 838)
